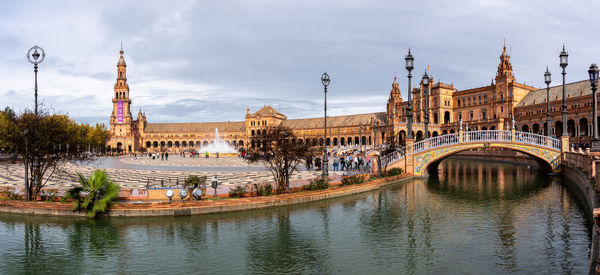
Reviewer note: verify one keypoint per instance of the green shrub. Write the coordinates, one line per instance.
(317, 184)
(194, 181)
(351, 180)
(393, 172)
(263, 190)
(237, 192)
(101, 192)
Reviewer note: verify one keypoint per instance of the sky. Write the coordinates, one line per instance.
(207, 61)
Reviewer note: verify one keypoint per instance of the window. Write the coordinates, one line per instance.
(501, 109)
(485, 99)
(469, 101)
(460, 115)
(479, 99)
(458, 103)
(483, 114)
(464, 102)
(471, 115)
(501, 98)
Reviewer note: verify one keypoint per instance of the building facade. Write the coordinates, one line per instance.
(491, 107)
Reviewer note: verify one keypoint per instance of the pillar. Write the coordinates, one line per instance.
(564, 140)
(409, 165)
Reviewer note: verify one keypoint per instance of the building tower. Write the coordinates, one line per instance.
(502, 102)
(121, 122)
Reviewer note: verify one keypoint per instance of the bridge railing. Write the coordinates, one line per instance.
(535, 139)
(393, 157)
(488, 135)
(485, 136)
(435, 142)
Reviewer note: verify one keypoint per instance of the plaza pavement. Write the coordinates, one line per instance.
(149, 172)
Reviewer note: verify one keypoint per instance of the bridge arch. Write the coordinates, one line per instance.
(427, 154)
(432, 166)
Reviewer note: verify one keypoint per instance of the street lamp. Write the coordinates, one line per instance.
(547, 79)
(25, 132)
(35, 56)
(285, 164)
(361, 142)
(593, 72)
(409, 115)
(426, 92)
(564, 61)
(325, 80)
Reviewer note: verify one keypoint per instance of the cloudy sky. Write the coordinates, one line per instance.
(201, 61)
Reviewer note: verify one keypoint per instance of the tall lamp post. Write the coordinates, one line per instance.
(426, 92)
(35, 56)
(409, 60)
(25, 132)
(564, 61)
(593, 72)
(325, 80)
(547, 79)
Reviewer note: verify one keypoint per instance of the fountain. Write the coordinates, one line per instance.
(219, 146)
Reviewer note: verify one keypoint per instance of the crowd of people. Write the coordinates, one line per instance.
(343, 162)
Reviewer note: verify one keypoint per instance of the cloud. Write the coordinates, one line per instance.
(194, 61)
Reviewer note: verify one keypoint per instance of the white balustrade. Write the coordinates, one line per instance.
(475, 137)
(485, 136)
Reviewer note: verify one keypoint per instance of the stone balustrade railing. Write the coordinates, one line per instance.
(487, 136)
(581, 161)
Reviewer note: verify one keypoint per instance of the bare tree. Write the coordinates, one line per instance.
(280, 151)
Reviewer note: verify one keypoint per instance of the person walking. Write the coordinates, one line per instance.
(342, 162)
(166, 156)
(335, 164)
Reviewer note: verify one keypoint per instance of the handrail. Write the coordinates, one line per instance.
(487, 135)
(397, 155)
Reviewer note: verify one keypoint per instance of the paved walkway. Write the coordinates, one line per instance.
(127, 178)
(193, 162)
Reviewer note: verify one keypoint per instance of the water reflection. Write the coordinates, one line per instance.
(473, 217)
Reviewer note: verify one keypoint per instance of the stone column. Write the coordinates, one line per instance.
(409, 165)
(564, 146)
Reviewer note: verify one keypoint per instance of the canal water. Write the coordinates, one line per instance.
(473, 218)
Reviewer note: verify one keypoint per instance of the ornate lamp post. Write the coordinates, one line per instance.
(547, 79)
(361, 142)
(25, 132)
(564, 61)
(325, 80)
(409, 115)
(593, 72)
(35, 56)
(426, 92)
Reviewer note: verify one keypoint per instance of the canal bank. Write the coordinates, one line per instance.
(582, 185)
(474, 217)
(579, 181)
(177, 208)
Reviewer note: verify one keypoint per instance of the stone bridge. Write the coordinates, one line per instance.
(419, 157)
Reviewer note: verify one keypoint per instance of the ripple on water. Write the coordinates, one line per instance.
(512, 219)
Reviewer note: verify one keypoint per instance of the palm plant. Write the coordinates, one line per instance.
(101, 192)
